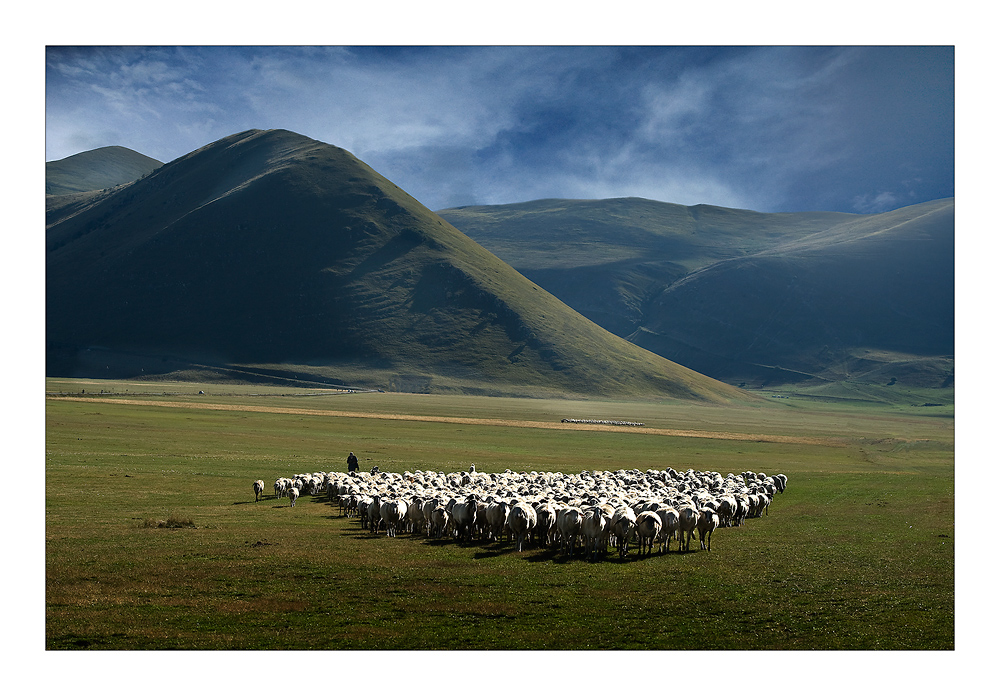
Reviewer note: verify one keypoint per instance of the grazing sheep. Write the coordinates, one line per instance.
(258, 489)
(647, 529)
(293, 495)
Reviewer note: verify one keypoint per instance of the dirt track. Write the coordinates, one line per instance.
(712, 435)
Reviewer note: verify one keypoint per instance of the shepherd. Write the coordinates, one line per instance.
(352, 463)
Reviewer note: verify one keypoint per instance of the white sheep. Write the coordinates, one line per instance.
(708, 521)
(670, 521)
(545, 527)
(647, 529)
(440, 518)
(293, 495)
(393, 514)
(463, 517)
(496, 516)
(569, 521)
(593, 527)
(521, 520)
(258, 489)
(688, 523)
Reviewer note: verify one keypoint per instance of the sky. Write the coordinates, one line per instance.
(858, 129)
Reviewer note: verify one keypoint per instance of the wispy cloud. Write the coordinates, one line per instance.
(777, 128)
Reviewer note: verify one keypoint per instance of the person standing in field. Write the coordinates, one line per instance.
(352, 463)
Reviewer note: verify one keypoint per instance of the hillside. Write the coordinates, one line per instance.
(746, 297)
(271, 253)
(608, 258)
(868, 299)
(96, 169)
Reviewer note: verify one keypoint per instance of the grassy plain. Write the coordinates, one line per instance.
(858, 553)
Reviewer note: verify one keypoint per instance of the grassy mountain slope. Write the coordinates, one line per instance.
(871, 296)
(269, 251)
(608, 258)
(96, 169)
(741, 295)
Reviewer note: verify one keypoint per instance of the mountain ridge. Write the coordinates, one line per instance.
(269, 248)
(668, 277)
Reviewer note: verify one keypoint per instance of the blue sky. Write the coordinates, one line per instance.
(855, 129)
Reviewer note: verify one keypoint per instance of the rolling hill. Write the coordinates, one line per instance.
(273, 254)
(96, 169)
(749, 298)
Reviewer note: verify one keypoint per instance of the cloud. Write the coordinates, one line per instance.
(877, 203)
(773, 128)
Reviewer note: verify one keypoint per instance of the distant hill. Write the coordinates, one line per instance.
(96, 169)
(271, 254)
(746, 297)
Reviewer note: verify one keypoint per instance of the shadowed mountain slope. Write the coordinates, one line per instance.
(822, 306)
(761, 298)
(273, 252)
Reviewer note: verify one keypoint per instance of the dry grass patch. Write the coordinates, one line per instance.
(169, 523)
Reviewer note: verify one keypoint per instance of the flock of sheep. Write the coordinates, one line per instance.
(590, 511)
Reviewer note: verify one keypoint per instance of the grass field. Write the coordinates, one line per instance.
(857, 554)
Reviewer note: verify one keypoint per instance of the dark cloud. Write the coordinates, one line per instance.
(771, 128)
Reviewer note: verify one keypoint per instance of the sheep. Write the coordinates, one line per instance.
(726, 510)
(258, 489)
(293, 495)
(569, 521)
(545, 527)
(602, 507)
(440, 518)
(415, 516)
(647, 528)
(375, 514)
(521, 520)
(496, 516)
(622, 526)
(393, 514)
(593, 526)
(688, 523)
(708, 521)
(463, 516)
(670, 521)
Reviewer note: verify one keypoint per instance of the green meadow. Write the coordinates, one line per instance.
(153, 539)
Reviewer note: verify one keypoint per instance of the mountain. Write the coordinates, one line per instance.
(746, 297)
(273, 254)
(96, 169)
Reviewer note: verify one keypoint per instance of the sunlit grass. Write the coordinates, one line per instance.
(857, 554)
